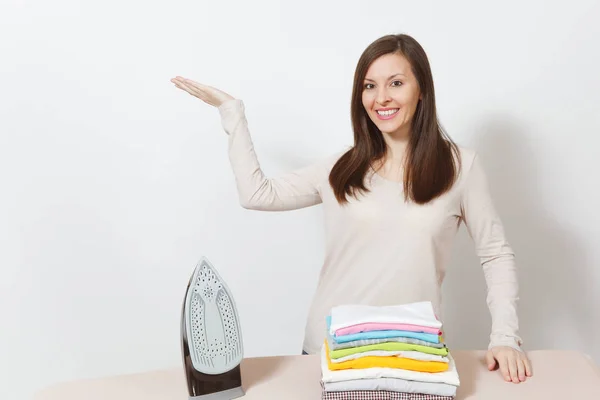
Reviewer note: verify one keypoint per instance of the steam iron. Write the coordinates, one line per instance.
(211, 337)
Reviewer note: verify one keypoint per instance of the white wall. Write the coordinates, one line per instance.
(114, 182)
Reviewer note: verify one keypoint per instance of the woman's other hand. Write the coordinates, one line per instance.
(514, 365)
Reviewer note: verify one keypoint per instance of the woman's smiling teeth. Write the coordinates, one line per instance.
(388, 112)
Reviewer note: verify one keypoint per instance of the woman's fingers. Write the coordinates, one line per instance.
(194, 90)
(208, 94)
(528, 370)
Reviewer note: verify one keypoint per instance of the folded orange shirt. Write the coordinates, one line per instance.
(386, 362)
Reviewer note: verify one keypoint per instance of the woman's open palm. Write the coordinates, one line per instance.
(207, 94)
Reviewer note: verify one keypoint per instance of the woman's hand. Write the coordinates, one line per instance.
(207, 94)
(514, 364)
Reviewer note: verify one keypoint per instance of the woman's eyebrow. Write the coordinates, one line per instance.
(392, 76)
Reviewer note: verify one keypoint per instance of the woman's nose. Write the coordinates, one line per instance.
(383, 97)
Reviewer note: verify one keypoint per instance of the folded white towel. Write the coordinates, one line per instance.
(419, 313)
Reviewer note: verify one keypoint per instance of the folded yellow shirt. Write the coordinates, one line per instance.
(386, 362)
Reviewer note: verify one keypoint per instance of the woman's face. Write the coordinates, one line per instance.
(391, 94)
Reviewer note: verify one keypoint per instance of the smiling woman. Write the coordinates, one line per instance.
(396, 130)
(392, 203)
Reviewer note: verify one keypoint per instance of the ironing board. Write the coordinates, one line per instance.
(558, 374)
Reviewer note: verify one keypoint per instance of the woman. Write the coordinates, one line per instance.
(392, 203)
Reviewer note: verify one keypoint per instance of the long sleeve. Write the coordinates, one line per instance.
(496, 255)
(293, 190)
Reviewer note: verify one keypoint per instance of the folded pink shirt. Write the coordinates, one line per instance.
(383, 326)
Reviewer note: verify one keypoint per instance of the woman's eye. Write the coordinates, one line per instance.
(396, 83)
(368, 86)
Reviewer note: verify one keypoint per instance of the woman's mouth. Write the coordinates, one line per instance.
(387, 113)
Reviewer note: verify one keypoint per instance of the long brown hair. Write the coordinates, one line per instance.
(430, 168)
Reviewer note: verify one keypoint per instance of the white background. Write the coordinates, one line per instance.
(114, 183)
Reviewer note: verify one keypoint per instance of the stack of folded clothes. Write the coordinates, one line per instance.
(386, 353)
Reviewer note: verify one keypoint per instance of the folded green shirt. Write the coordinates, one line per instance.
(389, 346)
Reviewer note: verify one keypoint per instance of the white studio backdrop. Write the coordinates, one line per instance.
(114, 182)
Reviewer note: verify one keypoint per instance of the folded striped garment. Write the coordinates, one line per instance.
(380, 395)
